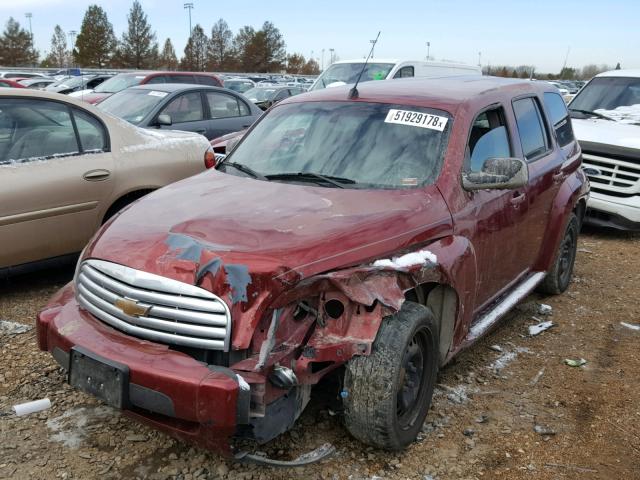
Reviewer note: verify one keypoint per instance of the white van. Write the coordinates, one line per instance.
(345, 72)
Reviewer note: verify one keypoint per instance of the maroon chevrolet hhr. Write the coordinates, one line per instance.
(365, 235)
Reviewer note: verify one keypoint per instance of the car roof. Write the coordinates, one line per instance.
(633, 73)
(146, 73)
(175, 87)
(446, 93)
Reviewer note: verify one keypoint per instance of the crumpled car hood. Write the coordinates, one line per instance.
(247, 236)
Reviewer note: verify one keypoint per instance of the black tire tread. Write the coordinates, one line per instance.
(367, 415)
(551, 283)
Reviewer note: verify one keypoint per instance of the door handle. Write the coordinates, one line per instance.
(517, 199)
(201, 132)
(246, 126)
(96, 175)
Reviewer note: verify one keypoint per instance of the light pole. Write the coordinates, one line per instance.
(373, 46)
(29, 15)
(331, 50)
(322, 64)
(72, 37)
(480, 59)
(428, 50)
(189, 6)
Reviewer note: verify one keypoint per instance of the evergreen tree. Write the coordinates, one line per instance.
(311, 68)
(242, 47)
(139, 45)
(270, 49)
(295, 63)
(16, 48)
(195, 52)
(96, 43)
(220, 50)
(59, 55)
(168, 59)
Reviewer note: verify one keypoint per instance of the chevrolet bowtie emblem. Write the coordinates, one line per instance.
(131, 307)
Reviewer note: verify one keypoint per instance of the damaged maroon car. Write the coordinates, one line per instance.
(366, 236)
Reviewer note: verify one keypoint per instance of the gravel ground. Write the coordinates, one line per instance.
(508, 408)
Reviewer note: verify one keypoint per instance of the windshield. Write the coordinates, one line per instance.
(132, 105)
(260, 94)
(73, 82)
(612, 97)
(119, 82)
(348, 73)
(373, 145)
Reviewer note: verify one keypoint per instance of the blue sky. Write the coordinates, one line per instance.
(506, 32)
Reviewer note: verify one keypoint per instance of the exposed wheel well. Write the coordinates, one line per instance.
(443, 302)
(123, 201)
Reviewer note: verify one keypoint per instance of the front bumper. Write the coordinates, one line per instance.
(622, 213)
(167, 389)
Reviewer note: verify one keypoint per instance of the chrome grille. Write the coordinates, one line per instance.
(170, 311)
(618, 177)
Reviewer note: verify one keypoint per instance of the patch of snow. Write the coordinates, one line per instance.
(631, 326)
(544, 309)
(458, 394)
(408, 260)
(13, 328)
(70, 427)
(506, 358)
(629, 114)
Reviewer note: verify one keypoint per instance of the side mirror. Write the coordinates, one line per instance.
(496, 174)
(164, 120)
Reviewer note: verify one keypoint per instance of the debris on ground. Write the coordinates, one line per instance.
(632, 326)
(537, 378)
(575, 363)
(544, 309)
(542, 430)
(496, 348)
(539, 328)
(13, 328)
(31, 407)
(323, 451)
(482, 419)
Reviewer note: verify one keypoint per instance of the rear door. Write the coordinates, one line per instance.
(227, 114)
(55, 172)
(545, 162)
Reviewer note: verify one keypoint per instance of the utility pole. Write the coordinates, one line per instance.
(480, 59)
(322, 64)
(189, 6)
(332, 50)
(373, 46)
(428, 50)
(566, 57)
(29, 15)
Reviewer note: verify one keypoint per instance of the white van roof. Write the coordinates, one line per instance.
(634, 73)
(400, 60)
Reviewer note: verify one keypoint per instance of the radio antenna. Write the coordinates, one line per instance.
(353, 93)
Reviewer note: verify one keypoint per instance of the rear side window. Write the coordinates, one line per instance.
(559, 117)
(404, 72)
(222, 105)
(91, 132)
(205, 80)
(185, 108)
(488, 139)
(530, 127)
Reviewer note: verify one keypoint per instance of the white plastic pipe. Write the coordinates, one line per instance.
(32, 407)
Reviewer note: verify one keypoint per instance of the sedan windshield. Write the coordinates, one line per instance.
(239, 86)
(260, 94)
(347, 73)
(611, 97)
(356, 144)
(132, 105)
(119, 82)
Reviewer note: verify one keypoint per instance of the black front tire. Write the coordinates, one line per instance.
(388, 393)
(559, 277)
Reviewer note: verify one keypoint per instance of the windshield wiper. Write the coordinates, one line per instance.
(338, 182)
(244, 169)
(590, 112)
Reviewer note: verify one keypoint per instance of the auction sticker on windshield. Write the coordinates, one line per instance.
(416, 119)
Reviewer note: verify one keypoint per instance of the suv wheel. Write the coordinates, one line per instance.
(559, 277)
(388, 393)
